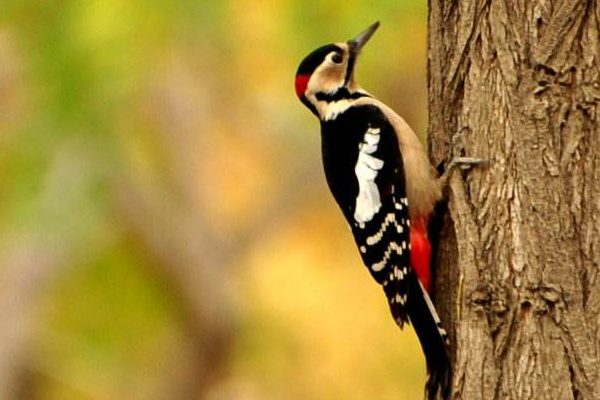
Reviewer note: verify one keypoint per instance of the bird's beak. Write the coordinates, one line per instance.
(362, 38)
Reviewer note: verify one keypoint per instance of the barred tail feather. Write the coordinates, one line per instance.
(433, 338)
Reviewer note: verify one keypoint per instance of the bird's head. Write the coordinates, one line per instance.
(327, 73)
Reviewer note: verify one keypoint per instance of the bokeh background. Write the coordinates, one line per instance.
(165, 227)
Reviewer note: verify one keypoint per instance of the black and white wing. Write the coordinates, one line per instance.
(364, 171)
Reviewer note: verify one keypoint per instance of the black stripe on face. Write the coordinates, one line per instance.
(340, 94)
(314, 59)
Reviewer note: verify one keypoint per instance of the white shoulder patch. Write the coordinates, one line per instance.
(332, 110)
(368, 201)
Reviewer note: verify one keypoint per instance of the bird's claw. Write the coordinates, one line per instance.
(465, 163)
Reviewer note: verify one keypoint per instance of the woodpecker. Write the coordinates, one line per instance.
(381, 178)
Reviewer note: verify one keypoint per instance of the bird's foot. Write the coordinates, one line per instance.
(462, 163)
(465, 163)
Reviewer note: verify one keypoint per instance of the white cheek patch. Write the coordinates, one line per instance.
(368, 201)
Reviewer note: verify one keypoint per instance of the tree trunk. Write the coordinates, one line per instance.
(517, 81)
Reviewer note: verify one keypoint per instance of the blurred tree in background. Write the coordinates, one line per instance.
(166, 231)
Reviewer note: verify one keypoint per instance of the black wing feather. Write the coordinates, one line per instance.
(383, 240)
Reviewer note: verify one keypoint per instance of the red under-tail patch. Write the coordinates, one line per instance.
(420, 252)
(301, 84)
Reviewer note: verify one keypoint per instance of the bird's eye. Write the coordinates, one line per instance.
(337, 58)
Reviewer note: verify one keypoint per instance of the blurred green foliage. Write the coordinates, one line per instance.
(191, 103)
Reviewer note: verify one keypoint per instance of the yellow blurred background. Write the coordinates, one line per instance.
(165, 227)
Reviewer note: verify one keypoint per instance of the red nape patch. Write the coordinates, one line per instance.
(420, 252)
(301, 84)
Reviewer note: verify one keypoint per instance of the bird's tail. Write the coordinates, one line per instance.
(433, 338)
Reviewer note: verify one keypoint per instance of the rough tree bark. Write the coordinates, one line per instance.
(517, 81)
